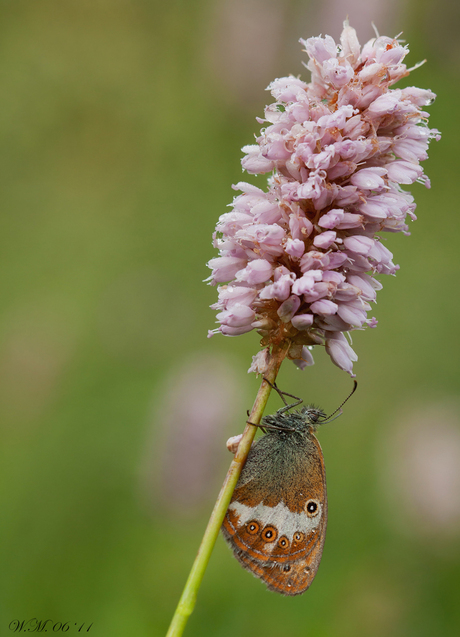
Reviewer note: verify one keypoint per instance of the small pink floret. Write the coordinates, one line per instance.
(325, 239)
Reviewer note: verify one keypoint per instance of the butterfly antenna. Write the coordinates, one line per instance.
(339, 408)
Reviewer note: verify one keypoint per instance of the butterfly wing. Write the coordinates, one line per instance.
(293, 578)
(276, 520)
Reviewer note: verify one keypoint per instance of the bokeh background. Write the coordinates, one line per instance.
(121, 123)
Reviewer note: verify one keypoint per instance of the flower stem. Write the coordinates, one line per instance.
(187, 601)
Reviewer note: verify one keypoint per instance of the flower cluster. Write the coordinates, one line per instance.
(296, 261)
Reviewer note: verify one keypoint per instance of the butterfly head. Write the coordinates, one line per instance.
(313, 416)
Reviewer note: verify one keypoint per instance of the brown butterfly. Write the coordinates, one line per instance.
(276, 520)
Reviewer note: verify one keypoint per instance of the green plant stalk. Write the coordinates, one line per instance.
(187, 601)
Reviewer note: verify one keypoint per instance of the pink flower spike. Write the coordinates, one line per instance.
(296, 258)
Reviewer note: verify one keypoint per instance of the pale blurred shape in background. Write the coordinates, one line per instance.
(197, 405)
(421, 475)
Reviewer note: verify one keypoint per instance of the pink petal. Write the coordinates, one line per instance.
(331, 219)
(225, 268)
(238, 316)
(369, 178)
(306, 360)
(359, 244)
(324, 307)
(257, 271)
(340, 351)
(295, 248)
(404, 172)
(325, 239)
(302, 321)
(287, 309)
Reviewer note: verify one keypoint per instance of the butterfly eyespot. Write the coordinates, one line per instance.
(283, 542)
(298, 536)
(312, 508)
(252, 528)
(269, 534)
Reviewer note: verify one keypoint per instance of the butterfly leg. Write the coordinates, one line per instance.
(282, 394)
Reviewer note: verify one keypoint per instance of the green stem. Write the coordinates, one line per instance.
(187, 601)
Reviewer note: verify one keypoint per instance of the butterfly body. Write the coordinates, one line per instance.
(276, 520)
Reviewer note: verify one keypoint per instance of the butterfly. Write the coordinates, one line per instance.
(277, 517)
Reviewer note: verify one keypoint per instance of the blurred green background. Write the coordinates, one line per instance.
(121, 123)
